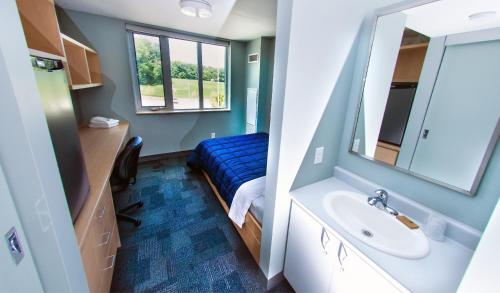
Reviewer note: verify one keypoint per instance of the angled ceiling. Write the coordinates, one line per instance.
(447, 17)
(231, 19)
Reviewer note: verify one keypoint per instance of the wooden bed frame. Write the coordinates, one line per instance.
(251, 231)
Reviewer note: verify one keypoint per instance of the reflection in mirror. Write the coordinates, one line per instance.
(431, 96)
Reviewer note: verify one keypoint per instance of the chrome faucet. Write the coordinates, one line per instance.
(382, 198)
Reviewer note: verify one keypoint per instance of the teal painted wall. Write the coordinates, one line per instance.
(259, 75)
(162, 133)
(266, 83)
(474, 211)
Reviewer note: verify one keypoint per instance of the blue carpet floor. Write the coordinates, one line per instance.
(186, 242)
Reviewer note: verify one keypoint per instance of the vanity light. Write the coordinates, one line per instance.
(483, 15)
(196, 8)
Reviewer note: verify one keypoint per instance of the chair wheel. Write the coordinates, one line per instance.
(137, 223)
(141, 204)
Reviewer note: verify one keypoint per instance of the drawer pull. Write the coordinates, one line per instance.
(105, 238)
(101, 213)
(112, 258)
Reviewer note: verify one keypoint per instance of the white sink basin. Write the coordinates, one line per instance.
(375, 227)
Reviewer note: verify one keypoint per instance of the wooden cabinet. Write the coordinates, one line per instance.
(387, 153)
(83, 63)
(96, 228)
(317, 260)
(41, 28)
(45, 40)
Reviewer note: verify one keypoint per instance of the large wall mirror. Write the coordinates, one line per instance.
(430, 103)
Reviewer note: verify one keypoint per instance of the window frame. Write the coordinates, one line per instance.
(164, 37)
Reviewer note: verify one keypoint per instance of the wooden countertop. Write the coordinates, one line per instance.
(100, 148)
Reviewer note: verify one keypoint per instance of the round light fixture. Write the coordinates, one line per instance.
(196, 8)
(483, 15)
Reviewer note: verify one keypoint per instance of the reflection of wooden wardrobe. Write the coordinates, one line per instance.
(410, 62)
(387, 153)
(408, 68)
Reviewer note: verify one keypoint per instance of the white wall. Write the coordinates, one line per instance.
(484, 268)
(383, 57)
(30, 167)
(320, 39)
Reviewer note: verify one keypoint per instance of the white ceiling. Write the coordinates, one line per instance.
(231, 19)
(447, 17)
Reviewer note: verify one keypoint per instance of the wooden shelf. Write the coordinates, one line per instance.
(40, 26)
(410, 62)
(77, 63)
(94, 67)
(84, 86)
(83, 63)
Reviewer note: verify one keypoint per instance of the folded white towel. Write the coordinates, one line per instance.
(103, 125)
(98, 119)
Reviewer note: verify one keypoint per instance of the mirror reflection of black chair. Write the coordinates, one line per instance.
(124, 174)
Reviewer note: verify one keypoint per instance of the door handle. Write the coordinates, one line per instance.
(341, 255)
(324, 239)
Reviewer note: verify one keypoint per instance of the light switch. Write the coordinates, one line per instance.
(318, 155)
(212, 135)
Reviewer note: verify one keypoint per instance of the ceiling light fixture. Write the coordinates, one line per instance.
(196, 8)
(483, 15)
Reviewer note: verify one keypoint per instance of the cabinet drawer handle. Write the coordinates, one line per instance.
(112, 257)
(341, 255)
(105, 237)
(324, 240)
(101, 213)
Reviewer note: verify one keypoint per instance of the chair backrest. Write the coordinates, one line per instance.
(126, 163)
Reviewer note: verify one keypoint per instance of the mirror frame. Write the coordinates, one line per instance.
(491, 145)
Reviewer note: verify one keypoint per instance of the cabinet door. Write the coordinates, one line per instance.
(310, 254)
(357, 276)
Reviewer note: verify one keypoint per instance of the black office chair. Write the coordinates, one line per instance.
(124, 174)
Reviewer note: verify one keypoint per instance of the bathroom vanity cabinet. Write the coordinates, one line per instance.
(318, 260)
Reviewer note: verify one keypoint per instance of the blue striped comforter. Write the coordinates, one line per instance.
(231, 161)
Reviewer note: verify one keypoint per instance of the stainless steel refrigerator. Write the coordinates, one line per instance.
(63, 128)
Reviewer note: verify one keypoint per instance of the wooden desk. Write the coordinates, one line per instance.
(96, 228)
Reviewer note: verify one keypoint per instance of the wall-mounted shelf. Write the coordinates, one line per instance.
(83, 63)
(45, 40)
(41, 28)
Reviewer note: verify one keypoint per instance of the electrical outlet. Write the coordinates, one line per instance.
(212, 135)
(318, 155)
(355, 145)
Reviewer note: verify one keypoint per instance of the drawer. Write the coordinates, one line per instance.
(109, 220)
(93, 251)
(109, 261)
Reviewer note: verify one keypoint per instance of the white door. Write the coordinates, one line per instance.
(21, 277)
(462, 114)
(310, 254)
(251, 125)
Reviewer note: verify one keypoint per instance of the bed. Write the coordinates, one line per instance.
(235, 168)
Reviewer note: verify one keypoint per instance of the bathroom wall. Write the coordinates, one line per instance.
(162, 133)
(474, 211)
(320, 39)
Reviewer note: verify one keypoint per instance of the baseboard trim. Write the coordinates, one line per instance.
(164, 156)
(275, 280)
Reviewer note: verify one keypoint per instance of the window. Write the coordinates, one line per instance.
(177, 73)
(149, 75)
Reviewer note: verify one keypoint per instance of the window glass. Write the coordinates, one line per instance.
(149, 70)
(184, 73)
(214, 77)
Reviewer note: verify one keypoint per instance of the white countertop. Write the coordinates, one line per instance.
(440, 271)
